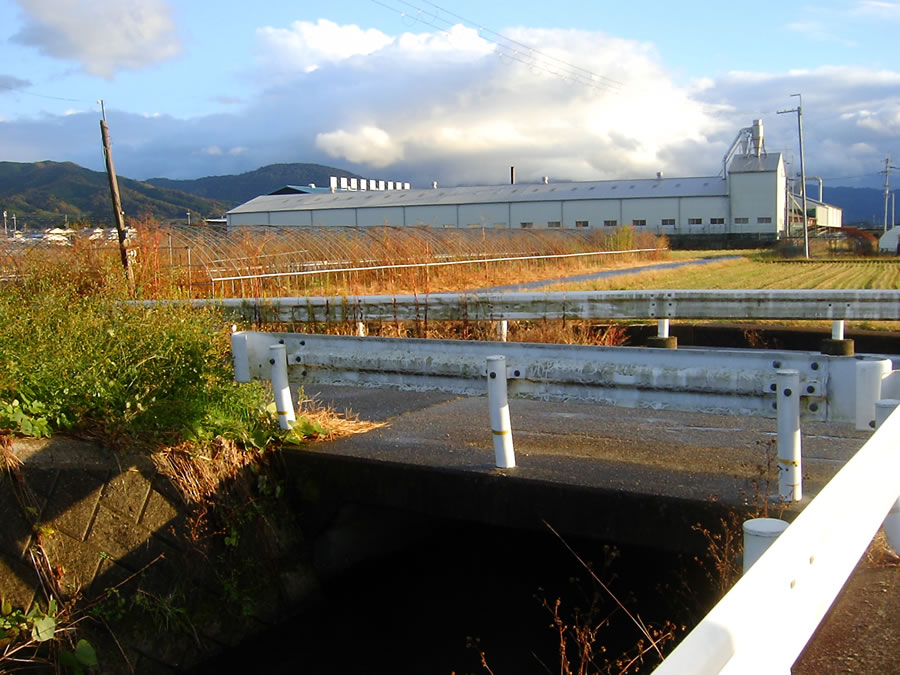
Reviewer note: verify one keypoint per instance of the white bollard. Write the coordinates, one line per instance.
(790, 486)
(284, 406)
(837, 329)
(759, 533)
(502, 330)
(869, 374)
(239, 356)
(504, 455)
(662, 328)
(883, 410)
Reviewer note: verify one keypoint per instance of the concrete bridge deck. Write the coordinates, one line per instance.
(631, 475)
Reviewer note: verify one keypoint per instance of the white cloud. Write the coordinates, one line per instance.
(103, 36)
(367, 145)
(306, 46)
(863, 149)
(456, 104)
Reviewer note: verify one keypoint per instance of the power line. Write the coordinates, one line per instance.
(506, 47)
(54, 98)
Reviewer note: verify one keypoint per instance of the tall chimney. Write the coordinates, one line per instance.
(512, 175)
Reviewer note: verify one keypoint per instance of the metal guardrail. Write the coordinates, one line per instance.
(725, 381)
(819, 304)
(764, 622)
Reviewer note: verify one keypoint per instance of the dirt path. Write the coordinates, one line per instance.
(861, 632)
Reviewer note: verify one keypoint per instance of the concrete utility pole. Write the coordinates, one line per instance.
(5, 232)
(887, 189)
(799, 111)
(118, 214)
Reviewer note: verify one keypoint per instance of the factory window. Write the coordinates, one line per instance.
(716, 221)
(610, 223)
(527, 226)
(582, 223)
(554, 223)
(695, 221)
(741, 221)
(763, 219)
(638, 223)
(668, 221)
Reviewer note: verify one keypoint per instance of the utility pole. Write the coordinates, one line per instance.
(799, 111)
(116, 200)
(887, 189)
(189, 217)
(5, 232)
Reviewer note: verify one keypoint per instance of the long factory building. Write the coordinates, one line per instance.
(748, 198)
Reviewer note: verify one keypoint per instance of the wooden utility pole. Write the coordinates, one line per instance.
(118, 214)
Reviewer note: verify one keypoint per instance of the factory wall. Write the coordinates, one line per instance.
(490, 215)
(751, 198)
(435, 216)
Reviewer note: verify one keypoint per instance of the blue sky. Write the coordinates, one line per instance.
(455, 91)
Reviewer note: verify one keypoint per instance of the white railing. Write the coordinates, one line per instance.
(724, 381)
(764, 622)
(813, 304)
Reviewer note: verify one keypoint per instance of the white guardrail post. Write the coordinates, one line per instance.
(284, 406)
(869, 374)
(504, 455)
(759, 534)
(790, 475)
(240, 356)
(837, 329)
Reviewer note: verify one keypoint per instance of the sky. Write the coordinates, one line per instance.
(455, 92)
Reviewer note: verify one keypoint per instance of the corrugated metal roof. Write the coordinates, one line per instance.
(711, 186)
(751, 163)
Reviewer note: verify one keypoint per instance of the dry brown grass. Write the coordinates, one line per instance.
(200, 472)
(268, 262)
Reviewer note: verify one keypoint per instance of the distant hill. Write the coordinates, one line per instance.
(235, 189)
(860, 205)
(44, 194)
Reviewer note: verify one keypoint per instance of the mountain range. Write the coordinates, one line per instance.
(234, 189)
(50, 194)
